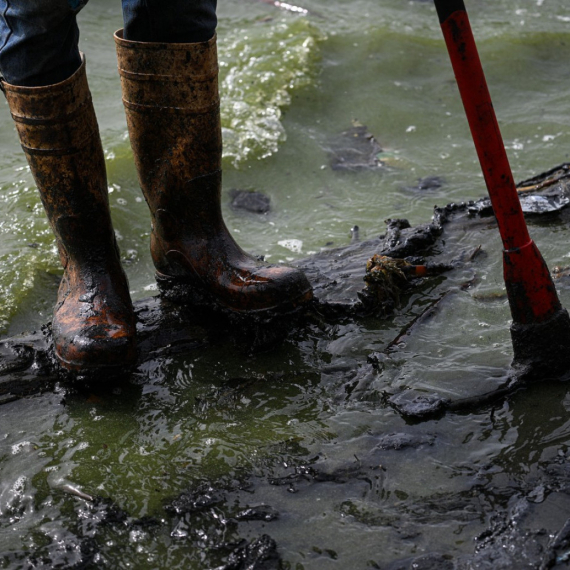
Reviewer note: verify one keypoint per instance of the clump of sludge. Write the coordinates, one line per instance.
(387, 279)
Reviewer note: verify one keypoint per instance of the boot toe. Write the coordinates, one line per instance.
(95, 347)
(251, 287)
(278, 288)
(259, 288)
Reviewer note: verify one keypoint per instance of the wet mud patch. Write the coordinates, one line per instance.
(204, 522)
(295, 457)
(428, 260)
(242, 519)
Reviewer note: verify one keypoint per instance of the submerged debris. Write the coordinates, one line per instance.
(355, 149)
(427, 184)
(354, 234)
(554, 187)
(561, 274)
(543, 204)
(210, 515)
(403, 240)
(250, 201)
(545, 179)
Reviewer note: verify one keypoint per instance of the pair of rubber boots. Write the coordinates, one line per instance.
(170, 94)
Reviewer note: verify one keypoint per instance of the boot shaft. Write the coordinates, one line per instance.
(93, 323)
(170, 93)
(169, 75)
(53, 120)
(59, 134)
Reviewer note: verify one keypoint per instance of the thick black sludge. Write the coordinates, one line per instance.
(214, 516)
(217, 516)
(27, 365)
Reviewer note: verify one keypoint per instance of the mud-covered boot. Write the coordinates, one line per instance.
(170, 93)
(93, 321)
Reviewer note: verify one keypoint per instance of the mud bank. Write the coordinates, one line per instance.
(238, 519)
(27, 365)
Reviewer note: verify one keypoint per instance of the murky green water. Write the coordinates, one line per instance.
(290, 84)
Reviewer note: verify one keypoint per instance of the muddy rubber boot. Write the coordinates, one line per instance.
(170, 94)
(93, 321)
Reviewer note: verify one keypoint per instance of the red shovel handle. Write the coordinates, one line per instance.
(483, 122)
(532, 296)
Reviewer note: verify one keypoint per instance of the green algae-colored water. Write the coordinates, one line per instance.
(290, 83)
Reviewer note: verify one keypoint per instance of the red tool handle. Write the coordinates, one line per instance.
(530, 289)
(483, 122)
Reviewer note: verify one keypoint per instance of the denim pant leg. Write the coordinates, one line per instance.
(38, 40)
(169, 21)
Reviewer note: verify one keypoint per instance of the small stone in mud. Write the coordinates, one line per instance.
(354, 234)
(355, 149)
(250, 201)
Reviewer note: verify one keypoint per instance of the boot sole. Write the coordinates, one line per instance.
(251, 330)
(90, 369)
(184, 292)
(76, 369)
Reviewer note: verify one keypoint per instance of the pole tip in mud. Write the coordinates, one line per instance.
(541, 349)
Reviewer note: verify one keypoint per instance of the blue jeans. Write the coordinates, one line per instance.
(38, 38)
